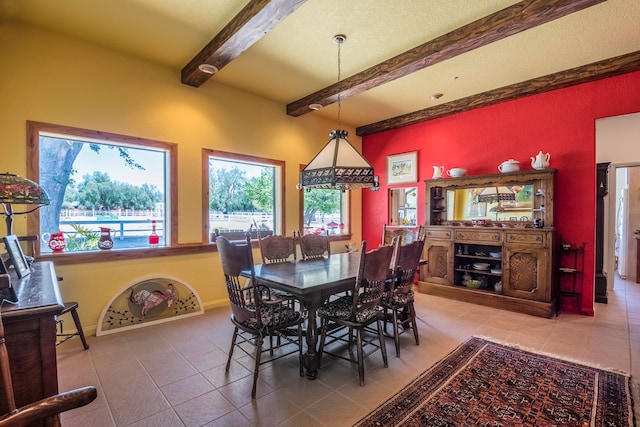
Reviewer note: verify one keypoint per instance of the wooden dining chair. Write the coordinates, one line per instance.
(313, 245)
(276, 248)
(256, 312)
(46, 409)
(359, 311)
(397, 302)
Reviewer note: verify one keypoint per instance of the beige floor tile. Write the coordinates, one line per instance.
(185, 389)
(301, 419)
(270, 410)
(100, 417)
(173, 374)
(143, 405)
(203, 409)
(167, 418)
(337, 410)
(232, 419)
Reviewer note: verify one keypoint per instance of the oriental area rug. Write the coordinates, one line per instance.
(482, 383)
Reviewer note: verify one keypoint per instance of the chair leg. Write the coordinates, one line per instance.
(386, 318)
(383, 347)
(300, 350)
(256, 369)
(396, 332)
(323, 335)
(414, 324)
(351, 343)
(76, 320)
(233, 344)
(360, 355)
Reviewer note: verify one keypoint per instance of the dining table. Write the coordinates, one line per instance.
(312, 282)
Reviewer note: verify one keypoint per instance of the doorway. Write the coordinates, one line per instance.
(617, 145)
(625, 221)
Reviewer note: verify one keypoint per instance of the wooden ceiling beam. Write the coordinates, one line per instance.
(504, 23)
(246, 28)
(586, 73)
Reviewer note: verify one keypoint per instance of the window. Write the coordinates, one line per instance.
(324, 210)
(99, 184)
(244, 194)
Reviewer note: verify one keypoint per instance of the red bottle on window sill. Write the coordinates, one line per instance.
(154, 239)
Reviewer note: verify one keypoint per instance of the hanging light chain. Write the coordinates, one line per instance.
(339, 39)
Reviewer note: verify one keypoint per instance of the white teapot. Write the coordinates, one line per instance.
(540, 161)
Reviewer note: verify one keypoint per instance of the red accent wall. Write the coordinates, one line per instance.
(560, 122)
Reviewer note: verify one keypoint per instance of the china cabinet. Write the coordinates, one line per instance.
(490, 241)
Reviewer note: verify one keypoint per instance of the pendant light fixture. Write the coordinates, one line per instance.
(338, 166)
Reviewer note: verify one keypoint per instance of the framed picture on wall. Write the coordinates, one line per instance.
(402, 168)
(16, 256)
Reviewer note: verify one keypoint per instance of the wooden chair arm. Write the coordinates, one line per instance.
(49, 406)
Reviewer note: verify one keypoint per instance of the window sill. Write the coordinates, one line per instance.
(126, 254)
(131, 254)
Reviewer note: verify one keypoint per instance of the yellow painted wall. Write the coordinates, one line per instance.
(51, 78)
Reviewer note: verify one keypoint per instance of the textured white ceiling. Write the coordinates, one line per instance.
(298, 56)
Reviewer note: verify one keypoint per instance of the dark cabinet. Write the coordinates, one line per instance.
(30, 334)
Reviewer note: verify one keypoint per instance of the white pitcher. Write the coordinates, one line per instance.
(437, 171)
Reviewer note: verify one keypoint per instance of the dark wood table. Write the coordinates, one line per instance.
(312, 282)
(30, 332)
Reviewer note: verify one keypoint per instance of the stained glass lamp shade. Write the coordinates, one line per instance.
(15, 190)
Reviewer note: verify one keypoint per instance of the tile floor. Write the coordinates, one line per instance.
(172, 374)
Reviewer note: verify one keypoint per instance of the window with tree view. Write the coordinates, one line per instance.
(325, 210)
(244, 194)
(103, 189)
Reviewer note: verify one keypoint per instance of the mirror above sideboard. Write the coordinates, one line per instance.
(496, 203)
(523, 198)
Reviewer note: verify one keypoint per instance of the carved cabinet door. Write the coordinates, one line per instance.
(525, 272)
(439, 262)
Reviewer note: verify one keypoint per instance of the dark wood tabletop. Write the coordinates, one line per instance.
(303, 278)
(38, 293)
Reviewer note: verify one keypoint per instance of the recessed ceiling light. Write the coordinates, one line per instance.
(315, 106)
(208, 68)
(436, 96)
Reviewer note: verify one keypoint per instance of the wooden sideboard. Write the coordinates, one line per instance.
(30, 333)
(512, 257)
